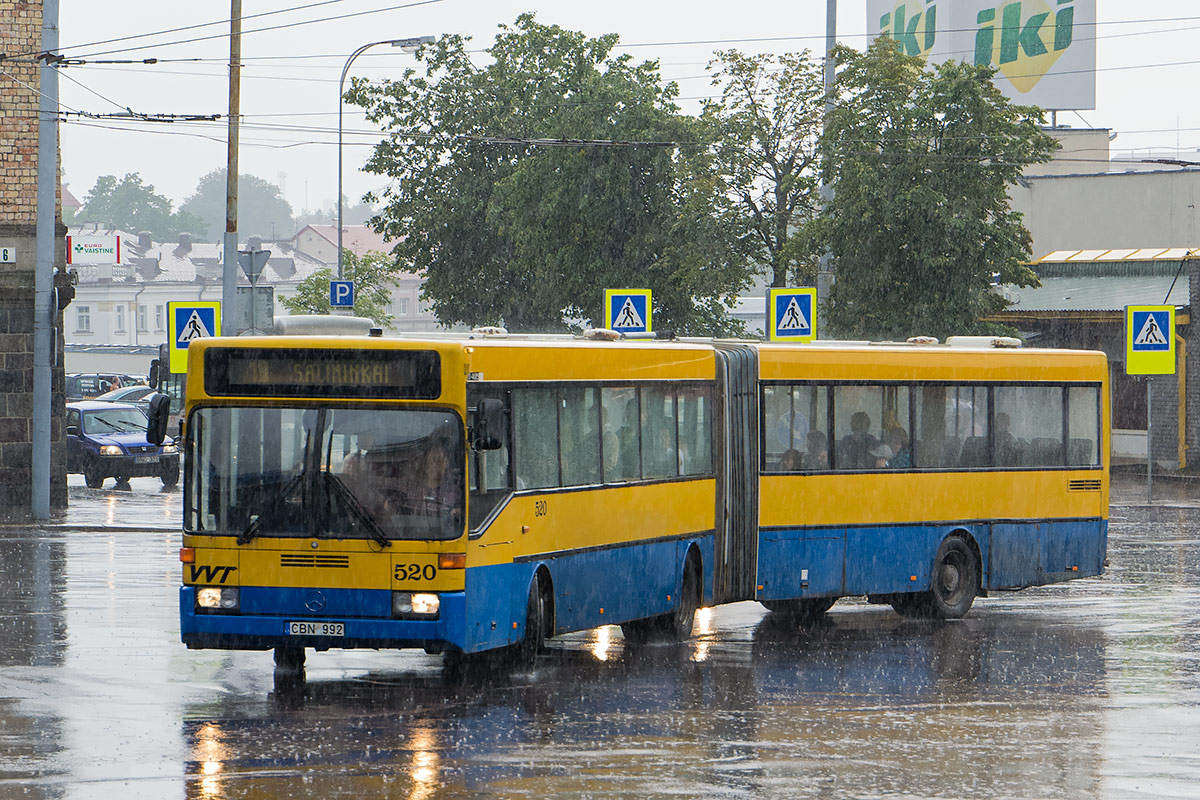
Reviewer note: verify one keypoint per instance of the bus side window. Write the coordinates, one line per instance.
(659, 433)
(535, 430)
(579, 431)
(693, 412)
(621, 432)
(1083, 426)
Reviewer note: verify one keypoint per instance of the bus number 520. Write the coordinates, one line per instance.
(415, 572)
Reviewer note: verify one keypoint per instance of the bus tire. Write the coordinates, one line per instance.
(953, 584)
(679, 622)
(93, 476)
(534, 640)
(802, 609)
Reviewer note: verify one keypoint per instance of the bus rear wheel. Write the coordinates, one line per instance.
(803, 609)
(954, 583)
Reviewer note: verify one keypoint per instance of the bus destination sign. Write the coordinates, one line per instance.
(301, 372)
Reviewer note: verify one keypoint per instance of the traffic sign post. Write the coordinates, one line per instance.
(1149, 351)
(188, 321)
(791, 315)
(628, 310)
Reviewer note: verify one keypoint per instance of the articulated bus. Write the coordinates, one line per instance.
(468, 493)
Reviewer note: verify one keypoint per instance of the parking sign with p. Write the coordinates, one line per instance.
(341, 294)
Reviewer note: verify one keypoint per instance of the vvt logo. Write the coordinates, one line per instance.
(913, 24)
(1030, 39)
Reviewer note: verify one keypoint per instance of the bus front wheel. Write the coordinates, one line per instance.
(535, 626)
(953, 586)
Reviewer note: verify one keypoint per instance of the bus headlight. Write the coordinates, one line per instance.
(415, 605)
(218, 598)
(110, 450)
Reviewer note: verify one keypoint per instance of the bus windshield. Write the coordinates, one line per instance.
(327, 472)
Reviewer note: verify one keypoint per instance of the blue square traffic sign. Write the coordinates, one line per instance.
(341, 294)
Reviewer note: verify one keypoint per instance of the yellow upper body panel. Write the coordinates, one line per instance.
(932, 363)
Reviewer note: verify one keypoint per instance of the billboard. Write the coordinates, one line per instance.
(1044, 50)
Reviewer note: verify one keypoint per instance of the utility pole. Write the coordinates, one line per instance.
(825, 262)
(229, 271)
(43, 275)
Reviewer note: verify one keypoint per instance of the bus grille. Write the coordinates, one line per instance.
(314, 560)
(1084, 485)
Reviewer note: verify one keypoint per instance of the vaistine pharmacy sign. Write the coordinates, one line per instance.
(93, 249)
(1044, 51)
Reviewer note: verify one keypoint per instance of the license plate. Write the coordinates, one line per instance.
(316, 629)
(145, 459)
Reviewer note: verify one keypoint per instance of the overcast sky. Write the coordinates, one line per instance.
(1148, 72)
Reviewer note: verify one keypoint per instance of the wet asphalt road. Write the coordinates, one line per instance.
(1089, 689)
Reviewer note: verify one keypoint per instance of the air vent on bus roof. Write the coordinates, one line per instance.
(323, 325)
(983, 341)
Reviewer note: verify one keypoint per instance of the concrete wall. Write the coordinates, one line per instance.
(21, 32)
(1112, 210)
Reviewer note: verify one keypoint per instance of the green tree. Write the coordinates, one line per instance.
(262, 211)
(133, 206)
(920, 224)
(374, 277)
(766, 124)
(528, 234)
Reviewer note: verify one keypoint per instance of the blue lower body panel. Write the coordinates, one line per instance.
(590, 588)
(263, 631)
(833, 562)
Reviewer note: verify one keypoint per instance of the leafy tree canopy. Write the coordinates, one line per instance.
(374, 277)
(920, 224)
(262, 211)
(765, 128)
(131, 205)
(511, 231)
(352, 214)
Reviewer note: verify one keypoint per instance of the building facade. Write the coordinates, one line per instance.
(22, 33)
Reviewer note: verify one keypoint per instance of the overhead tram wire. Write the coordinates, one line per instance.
(412, 4)
(164, 32)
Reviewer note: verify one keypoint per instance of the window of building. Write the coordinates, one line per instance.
(402, 306)
(159, 316)
(119, 313)
(143, 318)
(83, 319)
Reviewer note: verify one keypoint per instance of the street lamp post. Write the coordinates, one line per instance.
(412, 42)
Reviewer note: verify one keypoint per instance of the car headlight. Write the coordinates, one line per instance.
(218, 598)
(170, 448)
(110, 450)
(415, 605)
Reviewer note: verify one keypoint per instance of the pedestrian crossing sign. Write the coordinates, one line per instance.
(1150, 340)
(791, 315)
(628, 310)
(187, 321)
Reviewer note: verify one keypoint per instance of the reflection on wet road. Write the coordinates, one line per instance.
(1090, 689)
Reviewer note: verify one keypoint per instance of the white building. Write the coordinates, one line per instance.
(126, 303)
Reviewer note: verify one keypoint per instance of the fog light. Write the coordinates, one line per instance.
(110, 450)
(419, 604)
(218, 598)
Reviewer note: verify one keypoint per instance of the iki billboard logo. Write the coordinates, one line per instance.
(1025, 40)
(913, 24)
(1031, 37)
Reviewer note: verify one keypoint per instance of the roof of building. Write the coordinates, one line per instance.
(147, 261)
(358, 239)
(1105, 280)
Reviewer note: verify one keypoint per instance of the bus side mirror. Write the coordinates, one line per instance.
(155, 367)
(156, 425)
(489, 425)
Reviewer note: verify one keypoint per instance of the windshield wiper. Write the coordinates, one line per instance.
(359, 511)
(282, 497)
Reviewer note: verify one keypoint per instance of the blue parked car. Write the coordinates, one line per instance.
(109, 440)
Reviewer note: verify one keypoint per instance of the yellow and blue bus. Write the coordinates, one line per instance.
(468, 493)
